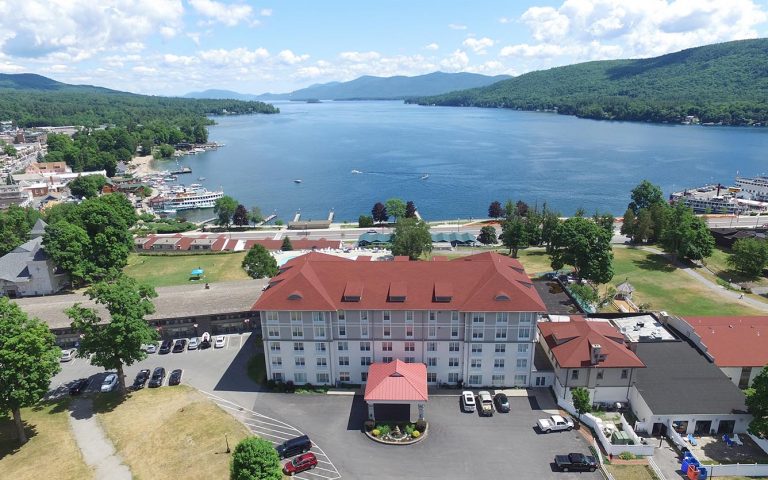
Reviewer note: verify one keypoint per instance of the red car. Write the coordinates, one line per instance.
(302, 463)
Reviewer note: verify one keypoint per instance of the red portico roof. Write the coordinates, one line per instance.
(397, 382)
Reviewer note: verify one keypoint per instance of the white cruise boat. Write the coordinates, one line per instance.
(755, 187)
(186, 199)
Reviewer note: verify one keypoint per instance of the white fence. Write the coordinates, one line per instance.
(738, 470)
(638, 449)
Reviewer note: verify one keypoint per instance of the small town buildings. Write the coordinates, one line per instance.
(470, 321)
(14, 195)
(27, 270)
(737, 345)
(48, 168)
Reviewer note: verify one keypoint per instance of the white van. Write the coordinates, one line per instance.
(468, 401)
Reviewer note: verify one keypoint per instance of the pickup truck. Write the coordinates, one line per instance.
(554, 423)
(575, 462)
(486, 403)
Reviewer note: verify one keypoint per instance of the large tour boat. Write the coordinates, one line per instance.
(186, 198)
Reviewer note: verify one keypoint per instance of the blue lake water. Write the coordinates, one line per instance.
(472, 156)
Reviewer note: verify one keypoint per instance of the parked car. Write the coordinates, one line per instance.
(175, 377)
(150, 348)
(468, 401)
(302, 463)
(486, 403)
(205, 341)
(79, 386)
(158, 376)
(220, 341)
(141, 379)
(555, 423)
(180, 345)
(68, 355)
(193, 344)
(166, 346)
(502, 403)
(575, 462)
(109, 383)
(294, 446)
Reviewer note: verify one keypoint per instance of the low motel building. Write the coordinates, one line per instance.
(469, 321)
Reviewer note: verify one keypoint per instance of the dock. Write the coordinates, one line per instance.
(330, 216)
(297, 217)
(418, 216)
(268, 219)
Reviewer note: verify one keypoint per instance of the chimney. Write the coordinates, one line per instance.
(595, 350)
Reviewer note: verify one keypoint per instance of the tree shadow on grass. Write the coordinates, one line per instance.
(9, 441)
(655, 263)
(108, 401)
(57, 405)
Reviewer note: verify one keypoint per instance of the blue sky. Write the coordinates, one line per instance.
(171, 47)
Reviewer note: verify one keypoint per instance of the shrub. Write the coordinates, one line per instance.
(365, 221)
(415, 434)
(409, 429)
(421, 425)
(626, 456)
(384, 429)
(376, 432)
(255, 458)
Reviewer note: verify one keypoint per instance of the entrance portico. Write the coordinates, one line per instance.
(396, 383)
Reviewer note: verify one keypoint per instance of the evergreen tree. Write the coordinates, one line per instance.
(379, 213)
(240, 217)
(410, 210)
(495, 210)
(287, 246)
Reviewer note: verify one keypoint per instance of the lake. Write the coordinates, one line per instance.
(472, 156)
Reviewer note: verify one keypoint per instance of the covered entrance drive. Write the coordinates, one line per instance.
(396, 383)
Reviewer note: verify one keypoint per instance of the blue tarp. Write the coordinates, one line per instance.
(197, 272)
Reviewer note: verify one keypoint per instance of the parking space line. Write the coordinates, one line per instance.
(256, 425)
(311, 472)
(324, 469)
(276, 436)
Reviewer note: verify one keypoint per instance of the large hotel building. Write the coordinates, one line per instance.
(470, 320)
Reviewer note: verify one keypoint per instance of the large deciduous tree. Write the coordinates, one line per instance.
(687, 235)
(487, 235)
(411, 237)
(581, 401)
(495, 210)
(749, 256)
(117, 342)
(514, 235)
(628, 223)
(549, 222)
(29, 358)
(757, 403)
(396, 208)
(255, 459)
(224, 208)
(87, 186)
(644, 195)
(15, 224)
(379, 213)
(586, 246)
(259, 263)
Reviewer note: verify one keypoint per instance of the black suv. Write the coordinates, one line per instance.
(180, 345)
(158, 376)
(141, 379)
(166, 346)
(294, 446)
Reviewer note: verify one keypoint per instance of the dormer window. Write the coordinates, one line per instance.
(353, 291)
(295, 296)
(443, 292)
(501, 297)
(398, 291)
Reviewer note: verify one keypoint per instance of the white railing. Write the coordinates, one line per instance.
(656, 469)
(761, 442)
(738, 470)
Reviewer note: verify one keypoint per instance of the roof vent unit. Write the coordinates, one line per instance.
(596, 353)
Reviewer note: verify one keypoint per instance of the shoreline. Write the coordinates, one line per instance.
(141, 165)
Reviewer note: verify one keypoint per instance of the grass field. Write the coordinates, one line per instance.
(718, 263)
(631, 472)
(536, 261)
(172, 433)
(664, 287)
(51, 451)
(162, 271)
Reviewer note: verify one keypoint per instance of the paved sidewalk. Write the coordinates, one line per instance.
(98, 451)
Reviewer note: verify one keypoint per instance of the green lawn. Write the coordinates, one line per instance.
(535, 260)
(631, 472)
(718, 263)
(664, 287)
(161, 271)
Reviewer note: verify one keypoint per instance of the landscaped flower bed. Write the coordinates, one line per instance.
(396, 433)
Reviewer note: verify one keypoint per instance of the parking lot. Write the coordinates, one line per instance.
(458, 445)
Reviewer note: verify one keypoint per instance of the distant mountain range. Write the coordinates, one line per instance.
(723, 83)
(31, 81)
(370, 88)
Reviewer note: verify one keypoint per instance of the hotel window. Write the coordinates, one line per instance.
(574, 374)
(386, 346)
(524, 333)
(599, 374)
(365, 361)
(295, 317)
(453, 346)
(298, 346)
(500, 348)
(364, 316)
(274, 346)
(410, 359)
(431, 361)
(431, 377)
(318, 317)
(410, 346)
(409, 327)
(453, 362)
(342, 315)
(322, 362)
(297, 331)
(522, 363)
(502, 317)
(478, 318)
(454, 324)
(527, 317)
(277, 362)
(386, 327)
(343, 360)
(323, 378)
(343, 376)
(521, 380)
(363, 377)
(365, 346)
(299, 361)
(476, 363)
(431, 346)
(364, 329)
(300, 377)
(477, 333)
(498, 363)
(453, 377)
(273, 317)
(386, 315)
(477, 348)
(319, 347)
(475, 379)
(522, 348)
(432, 316)
(273, 331)
(432, 330)
(409, 316)
(497, 379)
(277, 376)
(320, 331)
(343, 346)
(501, 333)
(624, 374)
(386, 359)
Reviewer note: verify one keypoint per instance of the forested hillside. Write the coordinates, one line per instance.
(724, 83)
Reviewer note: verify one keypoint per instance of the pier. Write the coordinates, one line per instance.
(297, 217)
(330, 216)
(268, 219)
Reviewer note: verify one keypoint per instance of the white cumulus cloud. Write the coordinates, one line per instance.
(432, 46)
(266, 12)
(478, 45)
(455, 62)
(287, 56)
(228, 14)
(359, 56)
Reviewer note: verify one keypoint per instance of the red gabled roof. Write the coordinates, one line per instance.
(570, 344)
(218, 245)
(297, 243)
(734, 341)
(397, 381)
(474, 282)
